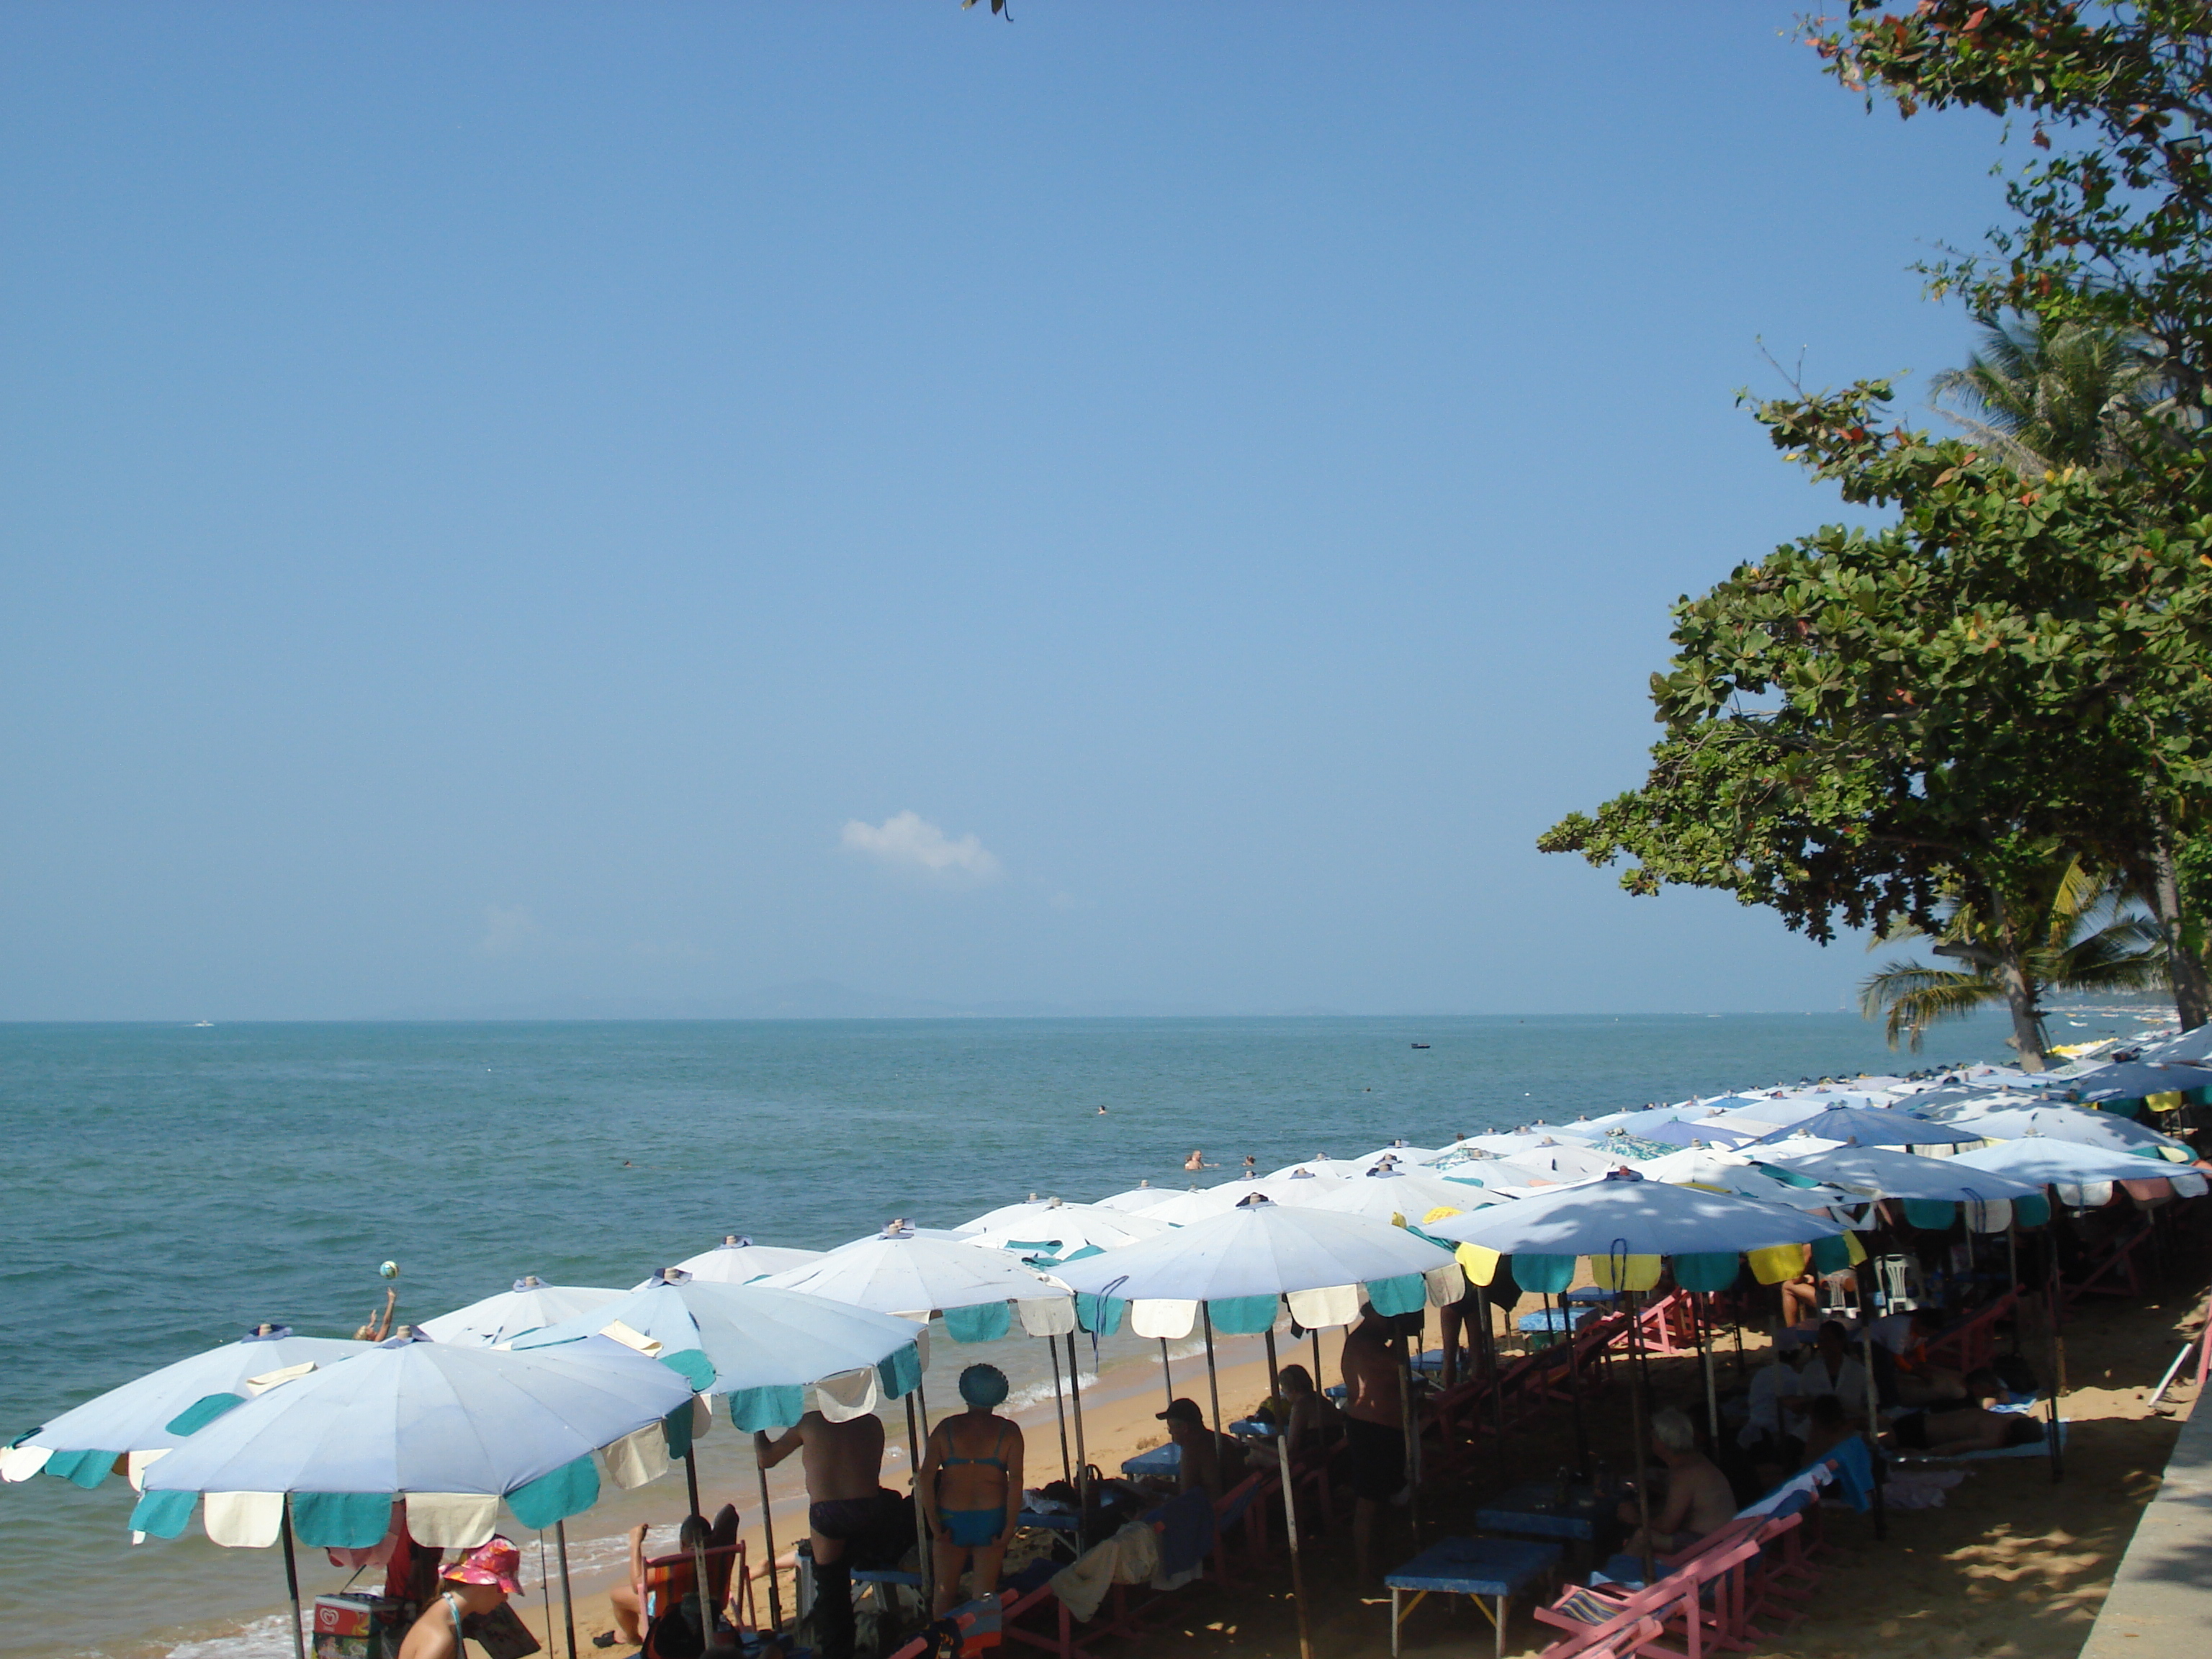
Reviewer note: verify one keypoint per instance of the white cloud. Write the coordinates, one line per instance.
(906, 841)
(509, 930)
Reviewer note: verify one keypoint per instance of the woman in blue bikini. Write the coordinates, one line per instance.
(971, 1487)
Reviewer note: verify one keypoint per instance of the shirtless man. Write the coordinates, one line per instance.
(1196, 1161)
(1968, 1428)
(1700, 1500)
(844, 1464)
(479, 1583)
(1374, 1430)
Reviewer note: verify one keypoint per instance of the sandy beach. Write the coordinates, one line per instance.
(2011, 1564)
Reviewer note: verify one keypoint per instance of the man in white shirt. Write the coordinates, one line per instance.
(1832, 1370)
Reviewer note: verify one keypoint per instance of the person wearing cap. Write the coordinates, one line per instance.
(1205, 1455)
(971, 1487)
(478, 1583)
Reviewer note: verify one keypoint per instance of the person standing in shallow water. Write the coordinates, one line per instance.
(970, 1483)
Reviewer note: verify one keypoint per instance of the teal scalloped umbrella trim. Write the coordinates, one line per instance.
(165, 1513)
(340, 1520)
(755, 1409)
(570, 1490)
(82, 1469)
(1242, 1315)
(898, 1375)
(986, 1322)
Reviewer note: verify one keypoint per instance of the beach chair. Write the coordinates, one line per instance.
(2118, 1261)
(670, 1581)
(1970, 1344)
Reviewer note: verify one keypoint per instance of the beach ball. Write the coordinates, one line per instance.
(390, 1270)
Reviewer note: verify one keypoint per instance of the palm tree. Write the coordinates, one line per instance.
(2090, 940)
(2041, 400)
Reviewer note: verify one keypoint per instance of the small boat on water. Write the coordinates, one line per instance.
(1420, 1045)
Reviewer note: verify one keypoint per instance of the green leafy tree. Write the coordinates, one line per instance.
(2089, 940)
(1869, 725)
(2076, 394)
(2113, 214)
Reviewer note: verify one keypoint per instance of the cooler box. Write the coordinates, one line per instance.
(358, 1626)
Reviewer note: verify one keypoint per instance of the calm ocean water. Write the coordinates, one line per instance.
(167, 1188)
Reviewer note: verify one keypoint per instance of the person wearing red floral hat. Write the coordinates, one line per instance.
(479, 1583)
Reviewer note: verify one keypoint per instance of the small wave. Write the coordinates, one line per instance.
(1037, 1393)
(264, 1638)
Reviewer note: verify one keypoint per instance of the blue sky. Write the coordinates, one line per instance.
(632, 504)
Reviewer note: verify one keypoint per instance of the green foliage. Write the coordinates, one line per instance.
(1864, 720)
(1866, 726)
(2085, 939)
(2112, 230)
(2076, 394)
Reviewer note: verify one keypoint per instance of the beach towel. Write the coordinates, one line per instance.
(1131, 1556)
(2036, 1449)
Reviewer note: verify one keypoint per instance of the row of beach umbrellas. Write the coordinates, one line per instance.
(527, 1398)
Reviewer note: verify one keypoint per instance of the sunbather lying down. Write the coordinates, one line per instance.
(1969, 1426)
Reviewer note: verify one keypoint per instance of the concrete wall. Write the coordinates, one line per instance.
(2161, 1598)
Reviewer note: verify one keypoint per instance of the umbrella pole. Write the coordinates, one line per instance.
(567, 1594)
(1411, 1430)
(1167, 1380)
(1212, 1382)
(2058, 1377)
(1314, 1334)
(291, 1581)
(1291, 1504)
(1637, 1425)
(1059, 1407)
(1873, 1434)
(699, 1548)
(1496, 1392)
(767, 1542)
(1705, 1358)
(1565, 1329)
(2012, 1274)
(928, 1546)
(545, 1589)
(1082, 1456)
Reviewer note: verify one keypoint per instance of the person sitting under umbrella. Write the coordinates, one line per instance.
(1700, 1500)
(971, 1486)
(1212, 1461)
(478, 1583)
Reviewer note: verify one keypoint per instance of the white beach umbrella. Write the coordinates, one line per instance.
(1321, 1164)
(1625, 1214)
(1058, 1231)
(1142, 1196)
(1403, 1196)
(1258, 1248)
(1397, 1152)
(2071, 1123)
(1732, 1173)
(1300, 1186)
(503, 1317)
(2070, 1166)
(896, 1272)
(1184, 1206)
(1858, 1126)
(738, 1260)
(413, 1416)
(1881, 1172)
(449, 1431)
(160, 1410)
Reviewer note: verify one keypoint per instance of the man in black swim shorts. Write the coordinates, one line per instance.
(1374, 1430)
(847, 1515)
